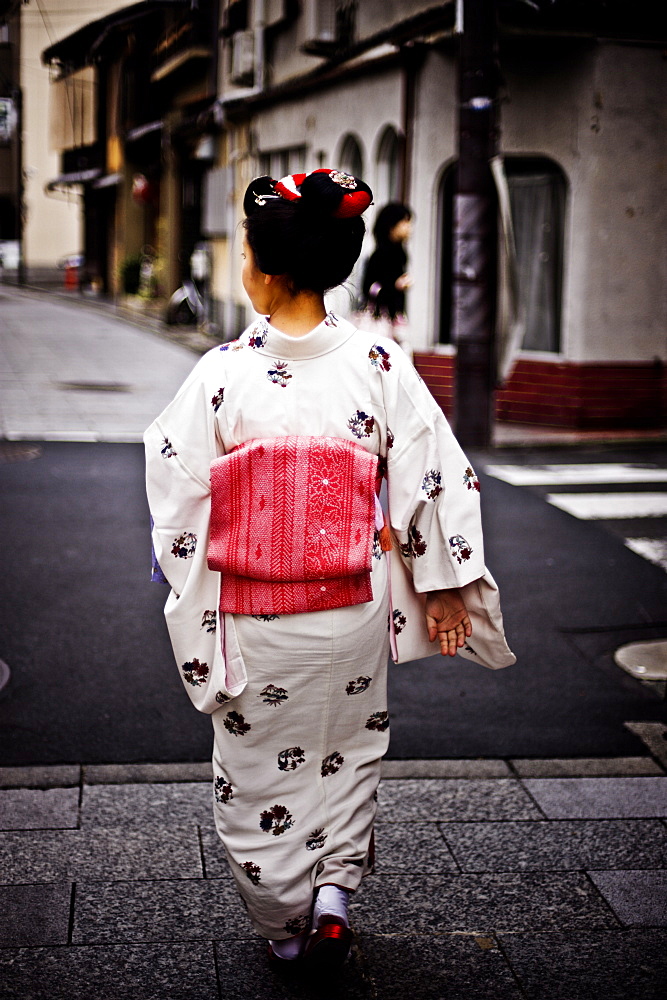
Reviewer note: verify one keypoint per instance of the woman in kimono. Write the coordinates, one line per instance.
(279, 612)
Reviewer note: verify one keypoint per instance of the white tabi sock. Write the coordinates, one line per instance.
(290, 948)
(331, 902)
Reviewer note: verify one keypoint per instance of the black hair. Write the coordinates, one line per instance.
(388, 217)
(301, 238)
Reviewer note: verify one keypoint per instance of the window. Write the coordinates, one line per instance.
(281, 162)
(538, 191)
(387, 187)
(350, 158)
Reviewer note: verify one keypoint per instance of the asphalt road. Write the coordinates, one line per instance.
(93, 679)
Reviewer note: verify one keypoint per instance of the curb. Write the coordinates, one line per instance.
(71, 775)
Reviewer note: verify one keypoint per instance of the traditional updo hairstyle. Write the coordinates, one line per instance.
(307, 227)
(388, 217)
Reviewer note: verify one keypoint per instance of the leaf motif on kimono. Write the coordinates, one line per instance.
(195, 673)
(470, 480)
(332, 764)
(289, 760)
(461, 548)
(379, 358)
(223, 789)
(236, 725)
(316, 840)
(361, 424)
(253, 871)
(184, 546)
(378, 721)
(359, 685)
(431, 484)
(272, 695)
(168, 450)
(209, 621)
(276, 820)
(280, 374)
(297, 924)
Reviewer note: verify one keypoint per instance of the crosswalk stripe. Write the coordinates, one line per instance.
(652, 549)
(610, 506)
(574, 475)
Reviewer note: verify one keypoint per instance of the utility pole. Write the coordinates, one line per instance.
(475, 226)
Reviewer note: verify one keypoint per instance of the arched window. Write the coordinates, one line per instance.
(538, 193)
(388, 185)
(350, 158)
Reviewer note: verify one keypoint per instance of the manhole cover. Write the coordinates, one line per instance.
(94, 386)
(645, 660)
(17, 451)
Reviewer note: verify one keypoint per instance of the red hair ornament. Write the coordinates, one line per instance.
(351, 195)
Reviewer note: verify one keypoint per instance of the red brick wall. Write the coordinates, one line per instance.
(565, 394)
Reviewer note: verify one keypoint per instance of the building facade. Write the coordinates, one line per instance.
(371, 86)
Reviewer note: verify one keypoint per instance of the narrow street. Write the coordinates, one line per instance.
(82, 627)
(520, 835)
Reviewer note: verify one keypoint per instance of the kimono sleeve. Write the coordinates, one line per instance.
(180, 446)
(433, 491)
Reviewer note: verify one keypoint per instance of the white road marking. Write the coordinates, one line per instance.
(574, 475)
(652, 549)
(610, 506)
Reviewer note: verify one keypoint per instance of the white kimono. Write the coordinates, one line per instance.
(299, 701)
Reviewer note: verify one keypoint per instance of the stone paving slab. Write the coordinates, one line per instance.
(479, 904)
(638, 898)
(580, 767)
(169, 971)
(244, 974)
(39, 809)
(599, 798)
(34, 914)
(455, 967)
(105, 854)
(417, 848)
(597, 965)
(111, 774)
(454, 799)
(147, 805)
(551, 845)
(445, 769)
(50, 776)
(158, 911)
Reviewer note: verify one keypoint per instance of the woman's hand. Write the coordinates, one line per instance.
(447, 618)
(403, 282)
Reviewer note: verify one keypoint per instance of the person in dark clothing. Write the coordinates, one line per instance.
(385, 277)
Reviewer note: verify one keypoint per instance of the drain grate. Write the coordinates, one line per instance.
(17, 451)
(94, 386)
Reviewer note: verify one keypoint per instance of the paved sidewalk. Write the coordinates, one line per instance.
(81, 374)
(495, 879)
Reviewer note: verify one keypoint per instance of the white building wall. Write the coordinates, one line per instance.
(53, 222)
(600, 113)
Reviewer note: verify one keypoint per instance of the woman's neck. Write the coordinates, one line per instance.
(296, 315)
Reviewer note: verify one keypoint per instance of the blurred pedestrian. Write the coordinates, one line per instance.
(386, 278)
(263, 476)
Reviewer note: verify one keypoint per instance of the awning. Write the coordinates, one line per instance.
(110, 180)
(76, 177)
(141, 130)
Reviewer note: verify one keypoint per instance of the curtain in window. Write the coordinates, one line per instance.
(537, 204)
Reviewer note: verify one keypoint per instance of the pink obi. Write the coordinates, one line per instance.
(292, 522)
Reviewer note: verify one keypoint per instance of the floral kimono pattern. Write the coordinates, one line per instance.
(298, 701)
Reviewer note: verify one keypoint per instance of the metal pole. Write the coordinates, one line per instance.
(475, 226)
